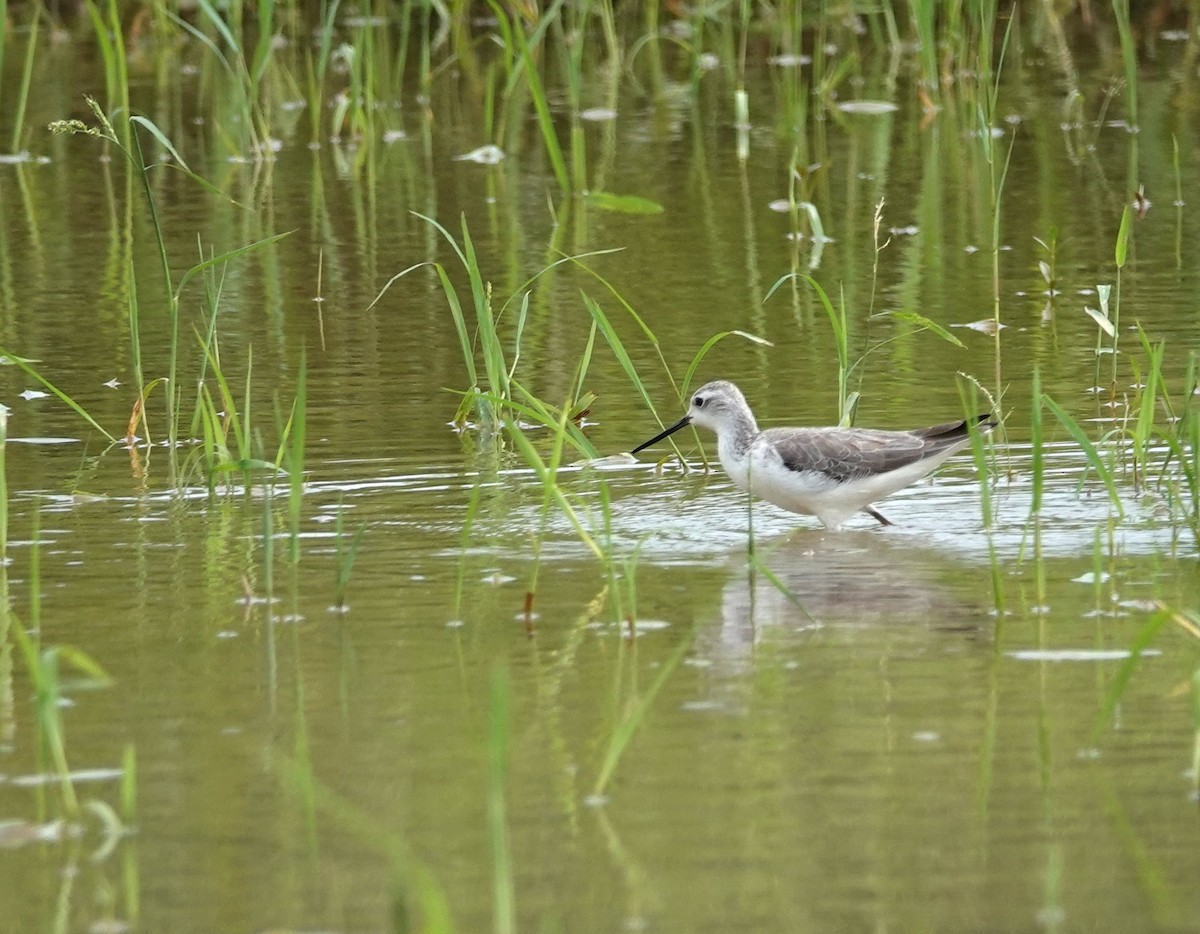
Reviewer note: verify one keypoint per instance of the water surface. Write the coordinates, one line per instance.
(853, 737)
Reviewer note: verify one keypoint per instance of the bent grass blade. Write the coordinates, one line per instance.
(1089, 450)
(21, 364)
(709, 345)
(635, 716)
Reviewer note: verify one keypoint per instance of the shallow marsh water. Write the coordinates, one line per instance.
(875, 748)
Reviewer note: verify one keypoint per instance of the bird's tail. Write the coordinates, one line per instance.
(957, 431)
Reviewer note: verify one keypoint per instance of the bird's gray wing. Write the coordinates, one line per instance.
(844, 454)
(852, 453)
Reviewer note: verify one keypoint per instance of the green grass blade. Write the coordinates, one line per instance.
(396, 278)
(837, 321)
(534, 410)
(1121, 250)
(1089, 450)
(460, 324)
(161, 137)
(623, 204)
(709, 344)
(226, 257)
(445, 234)
(1141, 642)
(567, 258)
(485, 319)
(921, 321)
(219, 24)
(773, 578)
(31, 47)
(79, 410)
(618, 349)
(522, 316)
(503, 891)
(585, 361)
(541, 413)
(630, 724)
(536, 91)
(638, 319)
(201, 37)
(529, 453)
(1037, 450)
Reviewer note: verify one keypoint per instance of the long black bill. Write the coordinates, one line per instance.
(682, 423)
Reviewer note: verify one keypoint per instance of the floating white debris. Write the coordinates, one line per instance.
(52, 778)
(702, 705)
(598, 114)
(796, 236)
(640, 627)
(255, 600)
(17, 833)
(394, 136)
(1075, 655)
(484, 155)
(612, 460)
(1090, 578)
(867, 107)
(789, 61)
(983, 325)
(30, 394)
(780, 205)
(113, 383)
(927, 736)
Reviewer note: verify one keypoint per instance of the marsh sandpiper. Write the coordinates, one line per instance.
(830, 473)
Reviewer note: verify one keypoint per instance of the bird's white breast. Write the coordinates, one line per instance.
(761, 471)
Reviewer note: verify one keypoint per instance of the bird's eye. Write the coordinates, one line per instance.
(699, 401)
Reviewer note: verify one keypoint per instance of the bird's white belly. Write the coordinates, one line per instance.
(762, 472)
